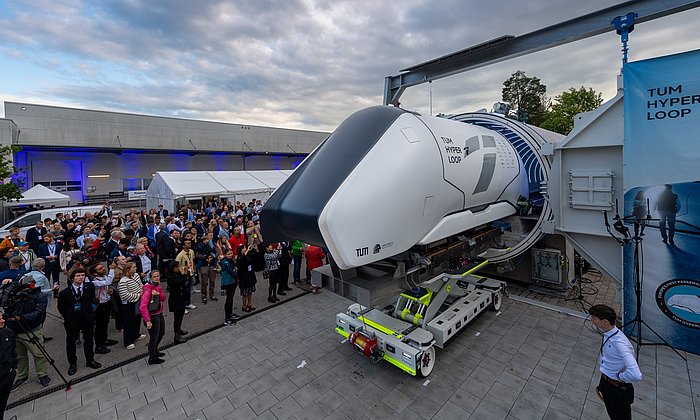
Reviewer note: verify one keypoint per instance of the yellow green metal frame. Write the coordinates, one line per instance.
(425, 299)
(379, 327)
(478, 267)
(386, 357)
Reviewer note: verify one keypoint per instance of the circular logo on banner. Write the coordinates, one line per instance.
(679, 299)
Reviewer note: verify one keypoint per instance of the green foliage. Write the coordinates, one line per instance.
(560, 117)
(9, 190)
(527, 96)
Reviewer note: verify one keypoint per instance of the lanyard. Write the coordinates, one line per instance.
(606, 340)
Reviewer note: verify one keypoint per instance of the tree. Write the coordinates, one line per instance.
(560, 117)
(527, 96)
(9, 190)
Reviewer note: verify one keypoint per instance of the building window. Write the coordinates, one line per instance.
(135, 184)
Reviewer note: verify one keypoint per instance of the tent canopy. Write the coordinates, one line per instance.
(40, 194)
(167, 187)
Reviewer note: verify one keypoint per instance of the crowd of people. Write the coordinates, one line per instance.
(114, 265)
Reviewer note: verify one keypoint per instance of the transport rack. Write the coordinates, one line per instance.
(427, 316)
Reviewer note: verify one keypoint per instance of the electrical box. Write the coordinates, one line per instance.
(547, 265)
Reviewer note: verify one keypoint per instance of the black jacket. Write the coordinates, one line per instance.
(32, 311)
(167, 249)
(66, 305)
(35, 238)
(8, 356)
(177, 299)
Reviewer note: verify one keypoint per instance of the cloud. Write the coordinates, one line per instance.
(298, 64)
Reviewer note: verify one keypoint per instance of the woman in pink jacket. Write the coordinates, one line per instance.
(153, 296)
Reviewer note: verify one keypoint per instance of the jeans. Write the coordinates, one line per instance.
(228, 305)
(156, 333)
(273, 277)
(190, 286)
(297, 268)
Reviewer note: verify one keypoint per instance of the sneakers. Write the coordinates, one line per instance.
(213, 298)
(191, 306)
(196, 291)
(229, 321)
(44, 381)
(141, 337)
(18, 383)
(110, 342)
(187, 312)
(131, 346)
(204, 301)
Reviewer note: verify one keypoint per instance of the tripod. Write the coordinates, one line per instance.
(637, 321)
(33, 339)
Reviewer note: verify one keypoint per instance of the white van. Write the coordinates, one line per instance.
(28, 220)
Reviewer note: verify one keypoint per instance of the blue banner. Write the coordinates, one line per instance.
(662, 198)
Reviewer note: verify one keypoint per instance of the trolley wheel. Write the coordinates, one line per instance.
(496, 300)
(426, 362)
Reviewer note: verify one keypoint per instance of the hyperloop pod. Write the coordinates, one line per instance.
(388, 179)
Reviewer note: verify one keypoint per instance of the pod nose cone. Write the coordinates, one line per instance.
(293, 209)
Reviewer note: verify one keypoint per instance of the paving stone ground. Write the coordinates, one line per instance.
(288, 363)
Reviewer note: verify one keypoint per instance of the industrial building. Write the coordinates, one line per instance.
(92, 155)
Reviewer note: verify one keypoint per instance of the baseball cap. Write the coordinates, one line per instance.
(23, 243)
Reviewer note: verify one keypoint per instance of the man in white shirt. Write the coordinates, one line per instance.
(618, 367)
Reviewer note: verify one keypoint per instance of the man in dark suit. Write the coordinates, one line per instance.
(77, 304)
(50, 251)
(162, 212)
(35, 236)
(168, 250)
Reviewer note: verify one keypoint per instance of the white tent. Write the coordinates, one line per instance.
(167, 188)
(40, 194)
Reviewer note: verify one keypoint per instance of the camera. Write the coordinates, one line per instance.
(13, 293)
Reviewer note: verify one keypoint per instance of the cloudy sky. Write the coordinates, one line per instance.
(296, 63)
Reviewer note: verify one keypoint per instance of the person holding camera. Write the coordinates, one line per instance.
(76, 303)
(26, 315)
(103, 282)
(8, 364)
(207, 262)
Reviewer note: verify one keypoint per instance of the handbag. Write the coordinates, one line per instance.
(154, 304)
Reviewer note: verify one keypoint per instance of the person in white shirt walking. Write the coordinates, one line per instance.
(618, 367)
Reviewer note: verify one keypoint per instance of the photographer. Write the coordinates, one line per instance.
(26, 311)
(8, 364)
